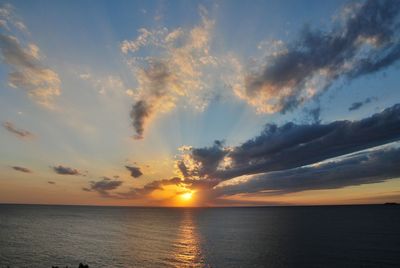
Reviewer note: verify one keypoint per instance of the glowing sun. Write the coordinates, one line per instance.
(187, 196)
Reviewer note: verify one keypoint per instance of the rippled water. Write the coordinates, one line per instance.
(337, 236)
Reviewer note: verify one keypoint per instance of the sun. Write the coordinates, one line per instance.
(187, 196)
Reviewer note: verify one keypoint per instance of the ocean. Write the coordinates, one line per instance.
(320, 236)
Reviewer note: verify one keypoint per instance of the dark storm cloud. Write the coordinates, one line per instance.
(20, 133)
(135, 171)
(22, 169)
(362, 168)
(367, 42)
(208, 159)
(62, 170)
(139, 114)
(103, 186)
(292, 145)
(357, 105)
(155, 79)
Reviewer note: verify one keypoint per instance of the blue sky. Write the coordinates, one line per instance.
(102, 85)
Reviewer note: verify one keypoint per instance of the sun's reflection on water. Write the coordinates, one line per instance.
(188, 249)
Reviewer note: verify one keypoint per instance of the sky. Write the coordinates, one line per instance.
(199, 103)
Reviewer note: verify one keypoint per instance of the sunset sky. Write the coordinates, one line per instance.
(199, 103)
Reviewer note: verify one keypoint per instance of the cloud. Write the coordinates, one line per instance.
(141, 41)
(201, 162)
(177, 69)
(135, 171)
(366, 41)
(22, 169)
(288, 158)
(139, 114)
(62, 170)
(110, 86)
(41, 83)
(292, 145)
(362, 168)
(204, 185)
(9, 20)
(103, 186)
(357, 105)
(200, 184)
(51, 182)
(106, 184)
(20, 133)
(135, 193)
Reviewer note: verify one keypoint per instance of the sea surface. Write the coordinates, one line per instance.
(325, 236)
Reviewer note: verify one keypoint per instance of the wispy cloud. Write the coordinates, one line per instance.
(9, 20)
(106, 85)
(20, 133)
(27, 70)
(366, 41)
(142, 192)
(357, 105)
(175, 71)
(105, 185)
(22, 169)
(62, 170)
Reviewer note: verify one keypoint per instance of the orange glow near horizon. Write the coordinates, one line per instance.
(183, 199)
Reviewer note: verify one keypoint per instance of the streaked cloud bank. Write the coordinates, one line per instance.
(363, 168)
(292, 145)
